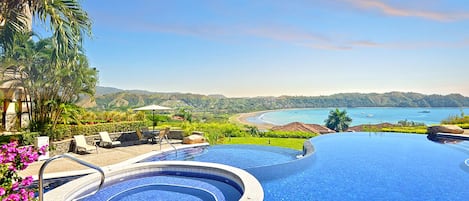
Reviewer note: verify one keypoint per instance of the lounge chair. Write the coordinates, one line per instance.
(106, 140)
(163, 135)
(145, 135)
(80, 143)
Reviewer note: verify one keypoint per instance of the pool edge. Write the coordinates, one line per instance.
(79, 187)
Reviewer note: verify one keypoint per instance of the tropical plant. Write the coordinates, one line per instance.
(51, 85)
(66, 18)
(70, 113)
(338, 120)
(185, 114)
(253, 130)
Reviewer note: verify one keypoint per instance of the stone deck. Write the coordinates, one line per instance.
(104, 157)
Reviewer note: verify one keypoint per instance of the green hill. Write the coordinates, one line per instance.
(122, 99)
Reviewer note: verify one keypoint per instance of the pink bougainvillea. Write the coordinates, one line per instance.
(13, 159)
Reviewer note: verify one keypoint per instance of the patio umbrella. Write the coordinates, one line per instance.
(153, 108)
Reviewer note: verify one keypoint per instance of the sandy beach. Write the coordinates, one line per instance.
(242, 119)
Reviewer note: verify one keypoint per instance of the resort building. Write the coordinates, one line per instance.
(15, 108)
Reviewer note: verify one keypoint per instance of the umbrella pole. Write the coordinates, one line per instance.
(153, 120)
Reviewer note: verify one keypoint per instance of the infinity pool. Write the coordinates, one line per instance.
(241, 156)
(342, 166)
(355, 166)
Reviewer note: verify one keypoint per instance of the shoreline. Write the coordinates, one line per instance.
(242, 118)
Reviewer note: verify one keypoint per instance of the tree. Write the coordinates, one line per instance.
(338, 120)
(155, 118)
(50, 84)
(185, 114)
(66, 18)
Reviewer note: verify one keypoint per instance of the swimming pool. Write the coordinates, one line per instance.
(342, 166)
(358, 166)
(164, 180)
(170, 185)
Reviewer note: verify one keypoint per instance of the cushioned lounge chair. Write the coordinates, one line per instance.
(163, 135)
(80, 143)
(106, 140)
(145, 135)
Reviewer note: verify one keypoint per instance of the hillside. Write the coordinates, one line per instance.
(122, 99)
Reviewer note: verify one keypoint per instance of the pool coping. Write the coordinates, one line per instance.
(87, 184)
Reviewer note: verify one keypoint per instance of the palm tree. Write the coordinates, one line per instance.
(66, 18)
(50, 85)
(338, 120)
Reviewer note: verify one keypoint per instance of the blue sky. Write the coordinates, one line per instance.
(246, 48)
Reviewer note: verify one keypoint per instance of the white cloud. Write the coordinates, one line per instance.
(392, 10)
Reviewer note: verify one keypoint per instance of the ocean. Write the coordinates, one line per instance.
(361, 115)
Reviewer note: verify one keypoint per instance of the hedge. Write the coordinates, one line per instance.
(68, 131)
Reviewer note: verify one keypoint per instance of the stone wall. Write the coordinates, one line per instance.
(126, 138)
(176, 134)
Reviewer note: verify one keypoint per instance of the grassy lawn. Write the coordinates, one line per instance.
(406, 129)
(293, 143)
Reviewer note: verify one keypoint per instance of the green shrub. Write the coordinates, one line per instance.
(28, 138)
(406, 129)
(214, 132)
(68, 131)
(371, 128)
(464, 125)
(463, 119)
(293, 143)
(4, 139)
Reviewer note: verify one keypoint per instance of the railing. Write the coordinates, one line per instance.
(84, 163)
(165, 137)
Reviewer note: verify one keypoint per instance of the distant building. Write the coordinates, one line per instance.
(15, 110)
(310, 128)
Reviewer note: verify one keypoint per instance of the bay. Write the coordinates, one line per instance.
(361, 115)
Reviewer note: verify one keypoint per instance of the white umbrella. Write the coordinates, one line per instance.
(153, 108)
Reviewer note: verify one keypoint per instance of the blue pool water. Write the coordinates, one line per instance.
(167, 186)
(378, 166)
(241, 156)
(358, 166)
(363, 115)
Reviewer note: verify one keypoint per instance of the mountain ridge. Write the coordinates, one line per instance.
(113, 98)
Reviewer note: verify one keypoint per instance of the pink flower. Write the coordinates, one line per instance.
(24, 194)
(27, 181)
(13, 159)
(31, 194)
(12, 168)
(43, 150)
(15, 186)
(10, 157)
(13, 197)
